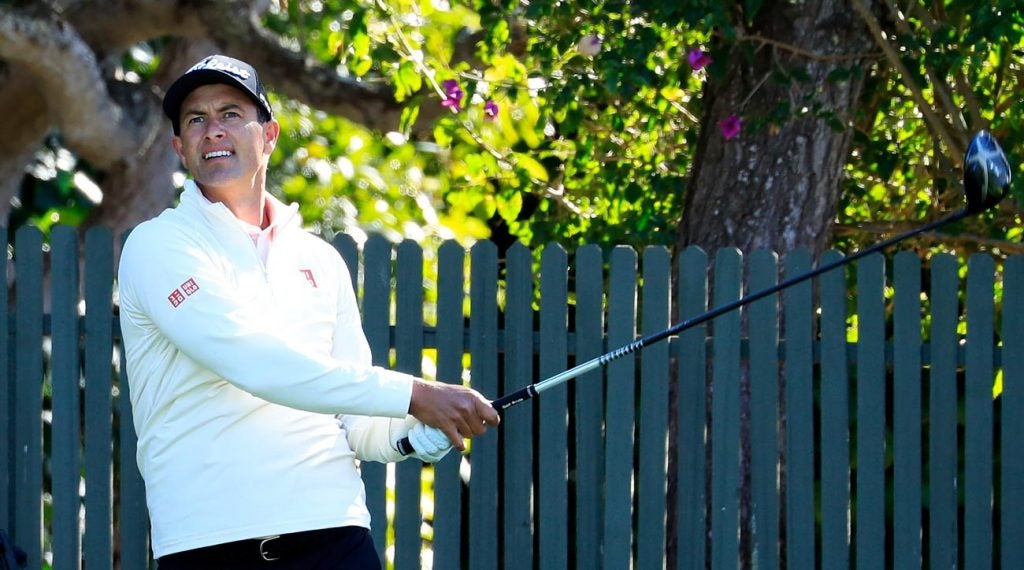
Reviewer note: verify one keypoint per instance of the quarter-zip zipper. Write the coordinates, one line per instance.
(227, 218)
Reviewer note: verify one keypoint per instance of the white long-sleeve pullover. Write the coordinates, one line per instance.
(237, 368)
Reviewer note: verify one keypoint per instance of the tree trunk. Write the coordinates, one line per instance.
(776, 185)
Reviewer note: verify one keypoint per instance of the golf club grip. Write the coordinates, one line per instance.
(405, 446)
(514, 398)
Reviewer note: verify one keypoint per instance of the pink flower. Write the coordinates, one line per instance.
(491, 109)
(730, 126)
(698, 59)
(589, 45)
(452, 95)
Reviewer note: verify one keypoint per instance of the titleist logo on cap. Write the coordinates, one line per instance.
(220, 65)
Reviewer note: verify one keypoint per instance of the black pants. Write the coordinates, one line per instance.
(345, 548)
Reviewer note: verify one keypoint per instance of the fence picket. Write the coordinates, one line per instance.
(483, 347)
(65, 374)
(134, 516)
(906, 407)
(589, 407)
(799, 410)
(349, 252)
(978, 415)
(620, 411)
(553, 413)
(691, 512)
(653, 422)
(517, 423)
(1012, 416)
(834, 451)
(28, 394)
(870, 514)
(942, 411)
(7, 425)
(763, 332)
(408, 359)
(725, 414)
(376, 318)
(97, 547)
(450, 348)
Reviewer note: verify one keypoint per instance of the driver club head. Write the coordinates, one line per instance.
(986, 173)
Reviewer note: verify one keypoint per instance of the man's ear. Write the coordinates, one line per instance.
(176, 143)
(271, 131)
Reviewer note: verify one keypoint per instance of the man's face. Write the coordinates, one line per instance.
(222, 143)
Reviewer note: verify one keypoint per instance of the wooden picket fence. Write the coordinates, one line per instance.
(879, 444)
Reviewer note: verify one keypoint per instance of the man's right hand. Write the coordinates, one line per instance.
(458, 411)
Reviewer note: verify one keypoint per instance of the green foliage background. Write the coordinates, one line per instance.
(596, 148)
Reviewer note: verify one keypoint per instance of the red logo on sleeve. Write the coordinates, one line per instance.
(309, 276)
(176, 298)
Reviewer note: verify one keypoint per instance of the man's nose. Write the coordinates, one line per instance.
(214, 129)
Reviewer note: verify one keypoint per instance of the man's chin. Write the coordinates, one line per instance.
(221, 181)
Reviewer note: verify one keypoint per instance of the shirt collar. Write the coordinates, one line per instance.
(279, 214)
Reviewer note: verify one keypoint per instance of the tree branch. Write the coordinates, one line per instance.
(91, 123)
(963, 85)
(939, 85)
(299, 76)
(762, 40)
(109, 26)
(935, 124)
(969, 241)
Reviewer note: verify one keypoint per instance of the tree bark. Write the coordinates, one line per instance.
(777, 184)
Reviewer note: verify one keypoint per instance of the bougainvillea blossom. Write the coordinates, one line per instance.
(452, 95)
(491, 109)
(730, 126)
(698, 59)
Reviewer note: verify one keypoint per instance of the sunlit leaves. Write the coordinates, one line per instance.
(959, 60)
(601, 137)
(534, 169)
(407, 81)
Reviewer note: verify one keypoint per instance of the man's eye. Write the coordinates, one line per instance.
(231, 114)
(195, 120)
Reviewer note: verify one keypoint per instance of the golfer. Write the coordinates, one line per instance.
(251, 381)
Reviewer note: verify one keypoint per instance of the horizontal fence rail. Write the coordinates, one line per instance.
(812, 429)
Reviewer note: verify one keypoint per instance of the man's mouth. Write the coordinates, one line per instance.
(217, 154)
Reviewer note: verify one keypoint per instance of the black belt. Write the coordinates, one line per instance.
(261, 550)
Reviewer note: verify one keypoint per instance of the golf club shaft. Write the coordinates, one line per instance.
(580, 369)
(528, 392)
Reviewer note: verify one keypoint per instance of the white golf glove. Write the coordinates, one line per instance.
(430, 444)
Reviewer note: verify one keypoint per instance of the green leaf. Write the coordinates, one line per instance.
(509, 207)
(408, 119)
(360, 46)
(534, 169)
(441, 135)
(407, 81)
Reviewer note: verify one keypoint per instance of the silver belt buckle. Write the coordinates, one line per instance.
(263, 553)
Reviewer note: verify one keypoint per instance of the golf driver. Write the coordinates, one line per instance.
(986, 181)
